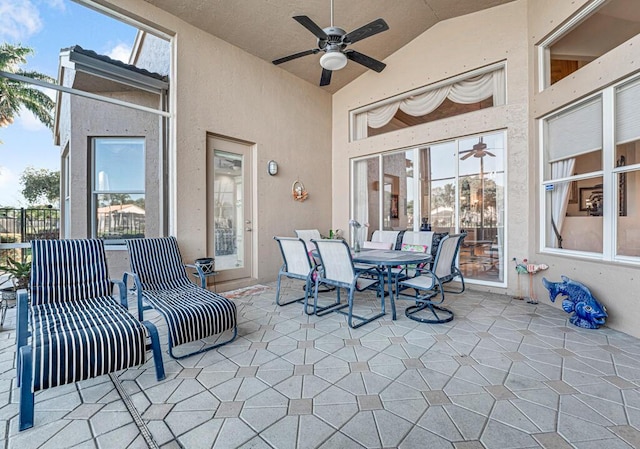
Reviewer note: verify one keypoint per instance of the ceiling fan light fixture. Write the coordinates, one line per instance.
(333, 60)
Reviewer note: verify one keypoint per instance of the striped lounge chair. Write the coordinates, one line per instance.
(74, 329)
(162, 283)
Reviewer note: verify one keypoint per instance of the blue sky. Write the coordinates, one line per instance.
(47, 26)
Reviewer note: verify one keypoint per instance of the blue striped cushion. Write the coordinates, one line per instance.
(78, 340)
(191, 312)
(68, 270)
(79, 330)
(158, 263)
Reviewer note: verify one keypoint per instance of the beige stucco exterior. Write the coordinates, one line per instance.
(220, 89)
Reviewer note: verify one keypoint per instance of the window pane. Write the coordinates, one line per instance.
(398, 185)
(481, 196)
(120, 216)
(119, 164)
(443, 206)
(580, 223)
(629, 214)
(578, 47)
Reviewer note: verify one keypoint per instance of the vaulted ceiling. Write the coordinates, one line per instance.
(266, 29)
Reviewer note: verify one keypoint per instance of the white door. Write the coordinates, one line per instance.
(229, 209)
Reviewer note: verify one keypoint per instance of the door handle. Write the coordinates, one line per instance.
(248, 229)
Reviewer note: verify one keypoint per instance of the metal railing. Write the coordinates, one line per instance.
(19, 226)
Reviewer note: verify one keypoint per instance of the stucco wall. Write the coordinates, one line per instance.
(90, 118)
(218, 88)
(614, 284)
(450, 48)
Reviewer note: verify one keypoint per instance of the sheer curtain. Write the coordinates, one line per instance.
(560, 193)
(361, 206)
(472, 90)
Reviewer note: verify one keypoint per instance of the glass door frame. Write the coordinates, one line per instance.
(243, 240)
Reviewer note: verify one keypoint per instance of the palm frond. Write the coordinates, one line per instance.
(15, 94)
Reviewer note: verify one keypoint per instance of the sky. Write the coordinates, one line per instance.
(47, 26)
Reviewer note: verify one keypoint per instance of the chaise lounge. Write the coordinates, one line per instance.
(162, 283)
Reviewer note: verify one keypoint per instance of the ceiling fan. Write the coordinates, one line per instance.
(478, 150)
(333, 41)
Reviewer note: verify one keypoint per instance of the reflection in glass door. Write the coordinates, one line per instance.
(229, 208)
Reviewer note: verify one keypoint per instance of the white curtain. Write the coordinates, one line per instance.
(361, 209)
(472, 90)
(560, 193)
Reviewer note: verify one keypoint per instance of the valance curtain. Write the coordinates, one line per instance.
(472, 90)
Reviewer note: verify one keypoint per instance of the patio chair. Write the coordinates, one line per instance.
(428, 284)
(337, 269)
(297, 264)
(78, 329)
(307, 235)
(162, 283)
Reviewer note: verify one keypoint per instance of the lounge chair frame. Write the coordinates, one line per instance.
(162, 283)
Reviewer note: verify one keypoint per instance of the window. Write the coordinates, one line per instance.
(479, 89)
(456, 185)
(598, 28)
(118, 197)
(591, 177)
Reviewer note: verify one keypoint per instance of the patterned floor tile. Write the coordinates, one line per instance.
(503, 374)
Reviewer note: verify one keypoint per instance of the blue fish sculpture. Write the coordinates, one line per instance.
(588, 313)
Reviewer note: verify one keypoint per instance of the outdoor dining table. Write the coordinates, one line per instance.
(389, 259)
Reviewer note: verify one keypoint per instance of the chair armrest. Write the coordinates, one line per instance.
(22, 319)
(200, 271)
(122, 292)
(138, 287)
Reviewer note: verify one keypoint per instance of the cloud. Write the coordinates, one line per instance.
(120, 52)
(9, 193)
(29, 122)
(19, 19)
(56, 4)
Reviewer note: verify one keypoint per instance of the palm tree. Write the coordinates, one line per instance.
(14, 94)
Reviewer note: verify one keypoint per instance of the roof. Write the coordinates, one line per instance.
(92, 54)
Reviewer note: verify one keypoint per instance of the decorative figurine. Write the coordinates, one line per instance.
(521, 268)
(533, 269)
(588, 313)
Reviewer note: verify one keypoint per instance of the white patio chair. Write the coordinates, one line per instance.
(428, 283)
(307, 235)
(337, 270)
(297, 264)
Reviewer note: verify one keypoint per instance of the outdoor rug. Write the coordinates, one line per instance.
(246, 291)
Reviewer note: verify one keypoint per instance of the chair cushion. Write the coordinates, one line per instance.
(78, 340)
(68, 270)
(192, 313)
(416, 249)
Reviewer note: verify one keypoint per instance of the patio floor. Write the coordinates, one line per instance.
(503, 374)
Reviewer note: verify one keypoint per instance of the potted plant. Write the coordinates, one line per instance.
(20, 273)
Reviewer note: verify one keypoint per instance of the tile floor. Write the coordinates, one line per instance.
(503, 374)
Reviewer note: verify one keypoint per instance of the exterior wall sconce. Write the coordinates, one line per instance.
(272, 167)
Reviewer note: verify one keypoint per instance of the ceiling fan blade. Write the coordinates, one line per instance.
(368, 30)
(311, 26)
(466, 156)
(296, 55)
(489, 153)
(325, 79)
(365, 60)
